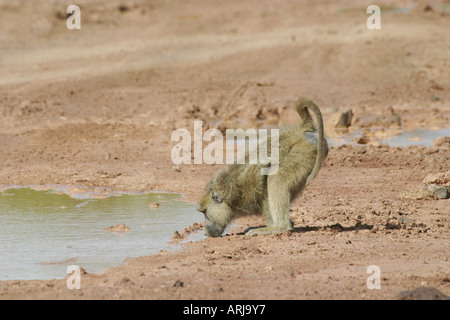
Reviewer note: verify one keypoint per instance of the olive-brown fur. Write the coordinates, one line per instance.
(241, 189)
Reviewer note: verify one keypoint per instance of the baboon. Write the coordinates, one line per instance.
(242, 190)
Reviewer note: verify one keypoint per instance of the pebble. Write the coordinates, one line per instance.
(441, 141)
(178, 283)
(117, 228)
(441, 192)
(126, 281)
(154, 205)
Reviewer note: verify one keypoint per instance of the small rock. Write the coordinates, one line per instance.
(375, 144)
(441, 141)
(442, 193)
(83, 271)
(126, 281)
(344, 122)
(117, 228)
(178, 283)
(123, 8)
(177, 235)
(428, 8)
(362, 140)
(434, 98)
(442, 179)
(417, 194)
(289, 273)
(422, 293)
(406, 221)
(176, 168)
(433, 187)
(154, 205)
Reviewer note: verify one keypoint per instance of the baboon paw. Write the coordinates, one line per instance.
(263, 231)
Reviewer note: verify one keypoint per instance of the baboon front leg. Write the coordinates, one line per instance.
(278, 205)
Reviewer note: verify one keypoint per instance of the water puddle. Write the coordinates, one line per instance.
(417, 137)
(44, 231)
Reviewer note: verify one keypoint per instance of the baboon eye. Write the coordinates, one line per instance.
(216, 197)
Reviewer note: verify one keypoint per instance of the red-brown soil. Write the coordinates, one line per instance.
(97, 107)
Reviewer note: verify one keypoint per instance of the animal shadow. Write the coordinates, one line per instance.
(335, 227)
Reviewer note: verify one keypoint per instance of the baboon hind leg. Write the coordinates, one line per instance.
(266, 213)
(276, 208)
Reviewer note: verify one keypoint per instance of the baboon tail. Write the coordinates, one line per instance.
(302, 105)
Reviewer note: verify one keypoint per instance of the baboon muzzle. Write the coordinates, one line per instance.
(213, 229)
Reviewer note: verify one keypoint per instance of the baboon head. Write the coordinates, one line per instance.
(217, 212)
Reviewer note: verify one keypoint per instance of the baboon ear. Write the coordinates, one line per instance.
(216, 197)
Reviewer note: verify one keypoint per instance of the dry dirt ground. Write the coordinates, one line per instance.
(97, 107)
